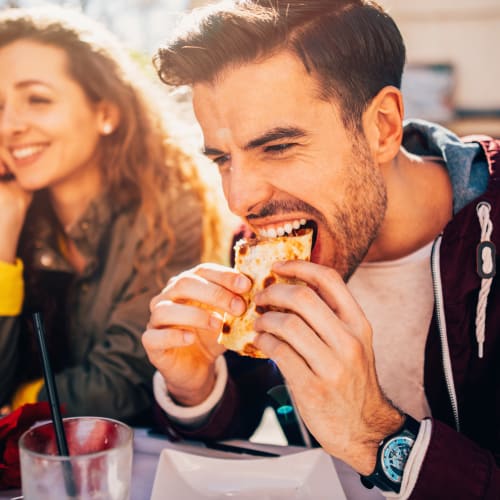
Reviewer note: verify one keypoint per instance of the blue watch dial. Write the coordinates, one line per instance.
(394, 455)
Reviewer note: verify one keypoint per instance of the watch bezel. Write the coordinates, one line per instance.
(401, 441)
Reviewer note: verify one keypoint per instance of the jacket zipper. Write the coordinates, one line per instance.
(445, 351)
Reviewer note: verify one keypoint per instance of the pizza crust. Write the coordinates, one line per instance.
(254, 258)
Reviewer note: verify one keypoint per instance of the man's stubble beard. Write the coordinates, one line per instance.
(359, 219)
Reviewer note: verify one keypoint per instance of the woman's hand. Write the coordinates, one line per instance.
(186, 319)
(14, 203)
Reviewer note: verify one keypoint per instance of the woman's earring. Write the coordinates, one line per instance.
(107, 128)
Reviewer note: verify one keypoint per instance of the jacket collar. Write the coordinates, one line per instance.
(88, 234)
(465, 161)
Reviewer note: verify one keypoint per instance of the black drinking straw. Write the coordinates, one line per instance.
(48, 375)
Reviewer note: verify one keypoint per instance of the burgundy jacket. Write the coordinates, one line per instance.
(465, 465)
(458, 465)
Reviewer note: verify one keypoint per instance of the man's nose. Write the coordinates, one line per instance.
(245, 188)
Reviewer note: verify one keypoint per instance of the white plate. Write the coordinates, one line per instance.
(306, 475)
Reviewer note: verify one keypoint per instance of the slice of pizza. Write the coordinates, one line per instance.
(254, 258)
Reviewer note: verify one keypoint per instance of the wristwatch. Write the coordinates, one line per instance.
(392, 454)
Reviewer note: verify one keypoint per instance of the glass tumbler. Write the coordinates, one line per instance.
(99, 465)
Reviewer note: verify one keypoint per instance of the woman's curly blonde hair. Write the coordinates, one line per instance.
(143, 164)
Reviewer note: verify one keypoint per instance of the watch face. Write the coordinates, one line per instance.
(394, 456)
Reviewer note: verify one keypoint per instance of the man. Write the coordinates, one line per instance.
(300, 108)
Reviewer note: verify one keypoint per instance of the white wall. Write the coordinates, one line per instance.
(465, 33)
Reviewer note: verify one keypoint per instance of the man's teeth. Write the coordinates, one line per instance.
(22, 153)
(287, 228)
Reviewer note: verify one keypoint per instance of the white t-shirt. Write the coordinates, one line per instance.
(397, 298)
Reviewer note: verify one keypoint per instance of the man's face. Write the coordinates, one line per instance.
(285, 158)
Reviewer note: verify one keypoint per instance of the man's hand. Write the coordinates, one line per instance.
(186, 319)
(323, 346)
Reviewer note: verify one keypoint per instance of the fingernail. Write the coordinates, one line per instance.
(237, 306)
(215, 322)
(188, 337)
(242, 283)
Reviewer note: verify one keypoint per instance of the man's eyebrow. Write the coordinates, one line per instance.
(212, 151)
(274, 134)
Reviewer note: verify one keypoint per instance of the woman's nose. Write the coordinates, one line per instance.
(11, 121)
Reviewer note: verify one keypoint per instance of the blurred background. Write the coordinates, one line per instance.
(452, 74)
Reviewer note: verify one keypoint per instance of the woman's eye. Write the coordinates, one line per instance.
(36, 99)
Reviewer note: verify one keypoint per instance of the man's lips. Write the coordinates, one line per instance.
(285, 228)
(289, 228)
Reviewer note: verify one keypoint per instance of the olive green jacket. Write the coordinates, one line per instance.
(106, 371)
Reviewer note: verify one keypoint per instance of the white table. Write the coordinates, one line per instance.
(147, 450)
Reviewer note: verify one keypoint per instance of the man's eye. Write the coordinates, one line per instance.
(220, 161)
(279, 148)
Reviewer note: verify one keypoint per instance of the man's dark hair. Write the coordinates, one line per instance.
(352, 47)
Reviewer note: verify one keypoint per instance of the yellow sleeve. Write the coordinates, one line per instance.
(11, 288)
(27, 393)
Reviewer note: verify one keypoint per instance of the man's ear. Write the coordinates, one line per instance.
(383, 124)
(108, 117)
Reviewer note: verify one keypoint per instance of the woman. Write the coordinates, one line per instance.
(99, 207)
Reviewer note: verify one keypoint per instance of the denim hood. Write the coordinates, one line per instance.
(465, 162)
